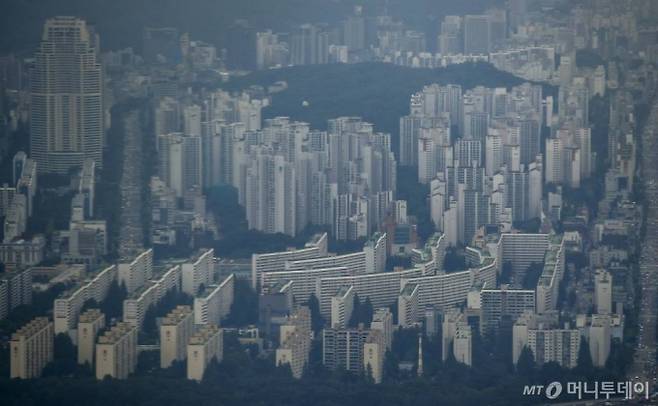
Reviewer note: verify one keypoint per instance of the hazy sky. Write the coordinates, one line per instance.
(120, 21)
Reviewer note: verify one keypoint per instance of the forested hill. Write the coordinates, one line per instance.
(378, 92)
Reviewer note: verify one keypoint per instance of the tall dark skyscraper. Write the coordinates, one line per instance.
(66, 98)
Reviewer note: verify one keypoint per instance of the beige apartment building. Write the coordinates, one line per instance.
(204, 346)
(90, 324)
(175, 332)
(31, 348)
(116, 352)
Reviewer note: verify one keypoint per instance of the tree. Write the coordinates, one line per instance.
(64, 359)
(391, 367)
(506, 272)
(361, 313)
(585, 365)
(112, 306)
(317, 322)
(532, 275)
(244, 310)
(525, 365)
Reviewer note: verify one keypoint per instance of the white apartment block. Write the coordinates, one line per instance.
(452, 288)
(456, 337)
(375, 252)
(504, 302)
(90, 324)
(31, 348)
(521, 250)
(603, 292)
(548, 286)
(600, 339)
(199, 271)
(546, 342)
(430, 257)
(342, 305)
(116, 352)
(381, 288)
(205, 345)
(355, 350)
(372, 259)
(150, 294)
(304, 282)
(275, 261)
(175, 331)
(408, 313)
(66, 308)
(355, 261)
(215, 303)
(135, 272)
(15, 290)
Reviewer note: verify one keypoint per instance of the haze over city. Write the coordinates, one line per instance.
(345, 202)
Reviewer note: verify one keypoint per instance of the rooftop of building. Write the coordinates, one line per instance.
(280, 287)
(198, 254)
(343, 291)
(116, 333)
(32, 327)
(90, 315)
(380, 314)
(134, 258)
(177, 315)
(408, 289)
(373, 239)
(315, 239)
(80, 282)
(204, 334)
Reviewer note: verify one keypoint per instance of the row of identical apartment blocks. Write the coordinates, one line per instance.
(316, 247)
(149, 284)
(181, 340)
(146, 286)
(114, 353)
(428, 284)
(67, 307)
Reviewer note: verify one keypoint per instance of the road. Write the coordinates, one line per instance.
(131, 233)
(644, 363)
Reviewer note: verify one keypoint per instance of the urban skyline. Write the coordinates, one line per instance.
(386, 204)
